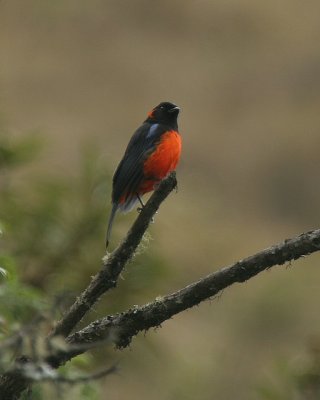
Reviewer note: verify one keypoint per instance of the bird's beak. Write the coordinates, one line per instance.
(174, 109)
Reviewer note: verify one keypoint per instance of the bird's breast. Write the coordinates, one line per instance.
(164, 158)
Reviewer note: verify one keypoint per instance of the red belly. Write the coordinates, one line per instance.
(162, 161)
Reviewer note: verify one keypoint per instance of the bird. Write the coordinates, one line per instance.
(152, 153)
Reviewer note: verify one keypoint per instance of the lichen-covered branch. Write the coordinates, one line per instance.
(14, 382)
(122, 327)
(107, 277)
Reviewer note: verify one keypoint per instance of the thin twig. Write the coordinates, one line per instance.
(40, 372)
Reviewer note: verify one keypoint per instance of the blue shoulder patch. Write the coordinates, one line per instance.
(152, 131)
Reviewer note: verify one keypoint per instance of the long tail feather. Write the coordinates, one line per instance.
(111, 218)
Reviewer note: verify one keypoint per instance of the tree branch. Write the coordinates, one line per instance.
(13, 383)
(122, 327)
(42, 372)
(107, 277)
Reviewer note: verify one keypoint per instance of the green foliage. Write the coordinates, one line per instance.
(49, 219)
(18, 301)
(46, 224)
(52, 241)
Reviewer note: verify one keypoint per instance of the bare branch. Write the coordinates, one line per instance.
(107, 277)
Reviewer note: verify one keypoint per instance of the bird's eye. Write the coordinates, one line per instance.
(162, 108)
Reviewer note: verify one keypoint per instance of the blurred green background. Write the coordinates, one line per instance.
(76, 79)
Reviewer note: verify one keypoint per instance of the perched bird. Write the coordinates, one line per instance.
(153, 151)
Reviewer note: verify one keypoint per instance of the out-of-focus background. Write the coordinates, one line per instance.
(76, 79)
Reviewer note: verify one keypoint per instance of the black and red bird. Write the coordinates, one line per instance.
(153, 151)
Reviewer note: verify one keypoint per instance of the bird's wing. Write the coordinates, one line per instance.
(129, 174)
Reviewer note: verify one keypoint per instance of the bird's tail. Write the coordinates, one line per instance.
(111, 218)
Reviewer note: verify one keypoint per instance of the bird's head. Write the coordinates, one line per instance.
(165, 113)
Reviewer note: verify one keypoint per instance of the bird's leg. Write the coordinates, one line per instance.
(139, 209)
(141, 202)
